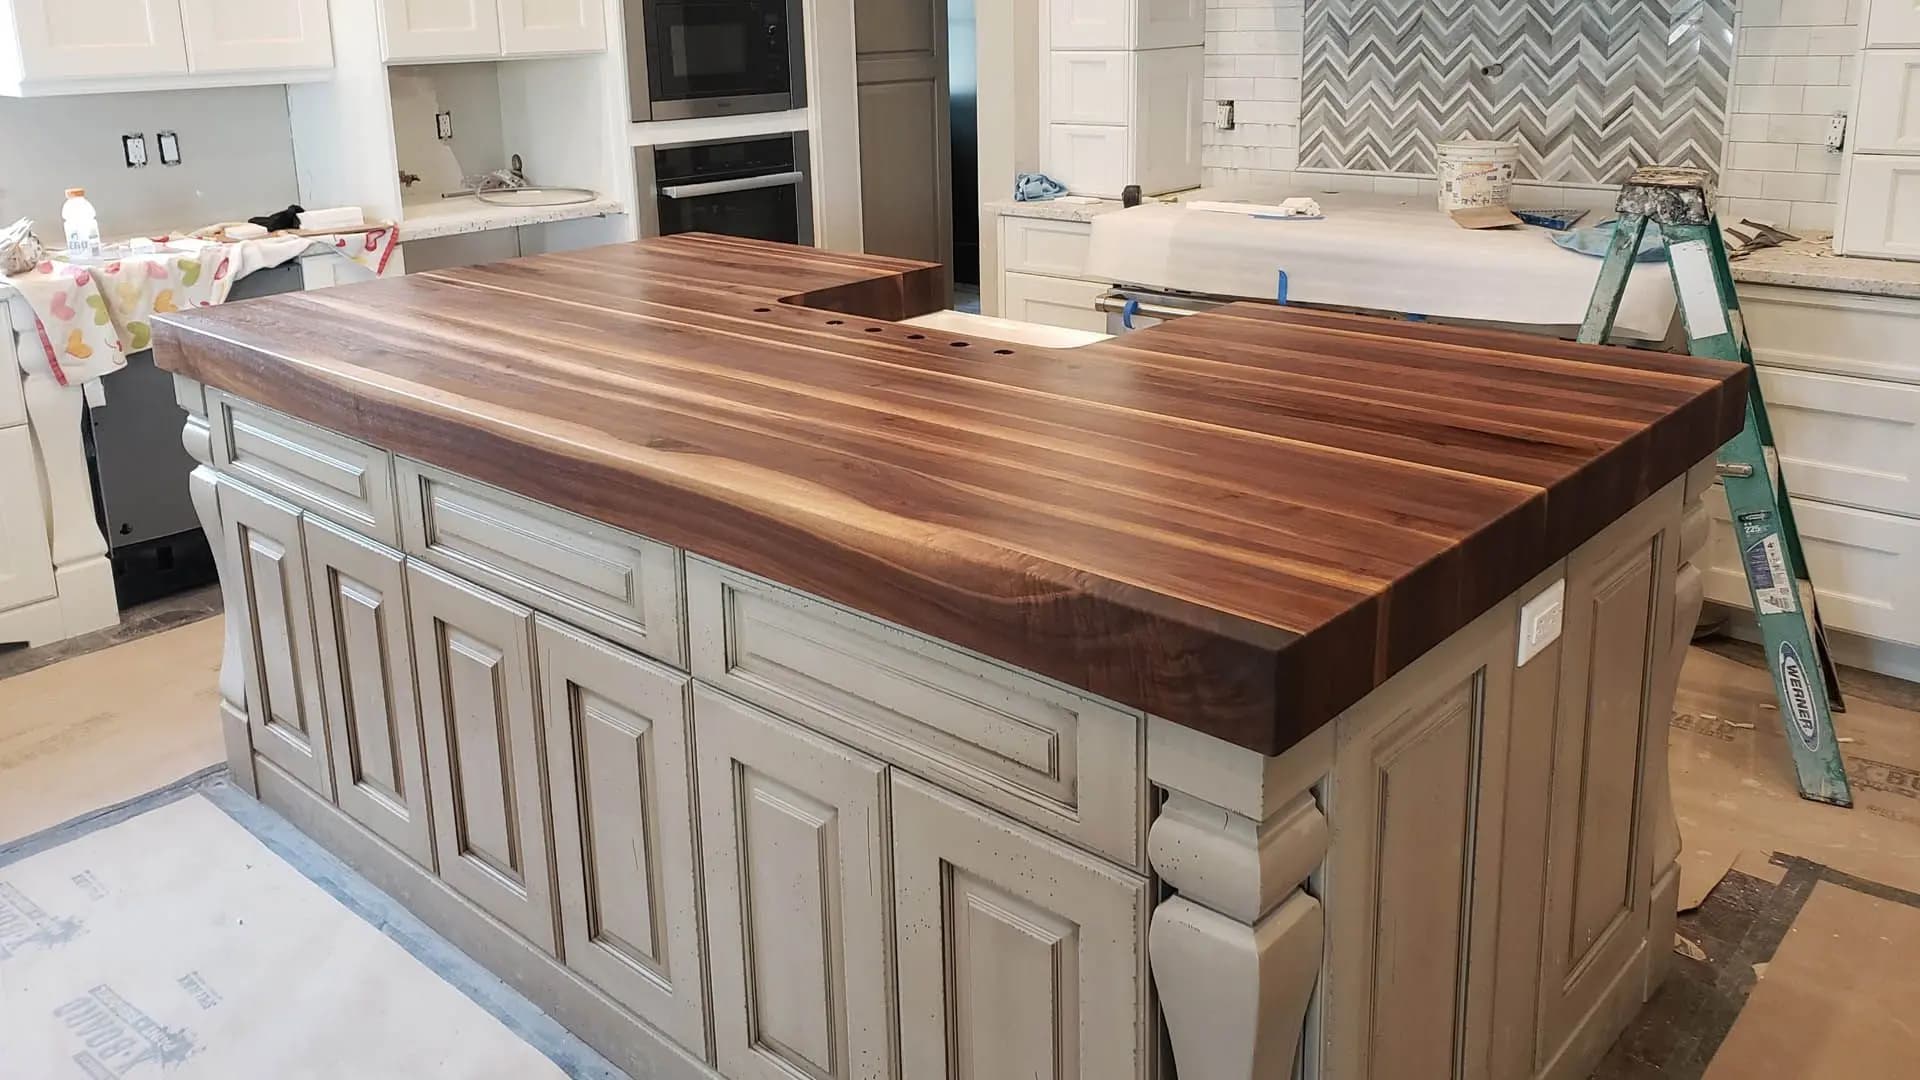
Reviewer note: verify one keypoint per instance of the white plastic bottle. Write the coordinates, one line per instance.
(83, 225)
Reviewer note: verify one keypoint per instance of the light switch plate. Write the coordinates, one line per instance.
(1541, 619)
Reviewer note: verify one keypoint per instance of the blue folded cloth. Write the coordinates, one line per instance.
(1036, 187)
(1594, 239)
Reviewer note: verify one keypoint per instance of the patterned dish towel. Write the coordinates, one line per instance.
(91, 317)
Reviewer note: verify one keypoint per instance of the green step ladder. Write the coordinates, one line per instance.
(1680, 203)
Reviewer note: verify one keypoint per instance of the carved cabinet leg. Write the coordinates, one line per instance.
(202, 485)
(1689, 595)
(83, 577)
(1237, 951)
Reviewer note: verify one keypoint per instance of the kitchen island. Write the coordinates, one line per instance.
(766, 688)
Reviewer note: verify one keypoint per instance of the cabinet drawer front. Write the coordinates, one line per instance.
(1840, 333)
(1046, 246)
(1882, 207)
(1092, 24)
(267, 554)
(1090, 87)
(616, 584)
(793, 828)
(1091, 159)
(1049, 756)
(474, 652)
(1847, 440)
(366, 684)
(338, 478)
(1015, 951)
(1053, 301)
(618, 768)
(1889, 119)
(1863, 566)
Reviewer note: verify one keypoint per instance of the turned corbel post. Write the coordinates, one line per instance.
(1237, 949)
(203, 487)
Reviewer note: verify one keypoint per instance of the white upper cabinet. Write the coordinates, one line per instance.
(1893, 22)
(440, 29)
(532, 27)
(256, 35)
(477, 29)
(92, 39)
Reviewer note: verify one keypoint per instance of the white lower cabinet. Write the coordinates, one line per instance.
(475, 656)
(367, 685)
(268, 558)
(617, 767)
(1019, 956)
(26, 567)
(1052, 301)
(793, 831)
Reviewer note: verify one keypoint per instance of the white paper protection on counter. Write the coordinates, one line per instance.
(1372, 251)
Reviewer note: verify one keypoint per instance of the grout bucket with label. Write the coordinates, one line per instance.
(1475, 172)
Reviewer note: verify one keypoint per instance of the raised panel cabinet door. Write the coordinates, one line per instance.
(618, 770)
(79, 39)
(256, 35)
(359, 596)
(1019, 956)
(793, 831)
(1893, 22)
(474, 651)
(26, 564)
(1889, 117)
(1881, 207)
(440, 29)
(532, 27)
(266, 553)
(1598, 866)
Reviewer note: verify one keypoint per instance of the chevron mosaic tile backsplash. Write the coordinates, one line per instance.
(1588, 88)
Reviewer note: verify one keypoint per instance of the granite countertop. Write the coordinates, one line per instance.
(1802, 264)
(1242, 522)
(1811, 264)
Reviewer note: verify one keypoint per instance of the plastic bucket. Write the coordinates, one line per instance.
(1475, 172)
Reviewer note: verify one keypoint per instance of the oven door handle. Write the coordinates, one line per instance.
(722, 187)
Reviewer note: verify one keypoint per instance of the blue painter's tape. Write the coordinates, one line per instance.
(1280, 292)
(1126, 313)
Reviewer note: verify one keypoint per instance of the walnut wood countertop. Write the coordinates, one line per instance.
(1241, 521)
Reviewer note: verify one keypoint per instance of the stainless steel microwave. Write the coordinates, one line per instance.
(688, 58)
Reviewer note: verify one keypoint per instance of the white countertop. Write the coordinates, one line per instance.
(466, 214)
(1805, 264)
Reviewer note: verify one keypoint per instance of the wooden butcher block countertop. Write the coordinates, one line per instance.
(1241, 521)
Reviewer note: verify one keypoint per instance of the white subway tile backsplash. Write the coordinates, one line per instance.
(1812, 12)
(1807, 70)
(1771, 41)
(1277, 89)
(1811, 217)
(1833, 40)
(1817, 159)
(1760, 13)
(1799, 187)
(1796, 128)
(1747, 127)
(1744, 183)
(1775, 212)
(1764, 157)
(1768, 99)
(1754, 69)
(1827, 99)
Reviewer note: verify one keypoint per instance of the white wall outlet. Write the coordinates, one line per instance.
(169, 147)
(1541, 619)
(134, 147)
(1223, 115)
(1837, 132)
(443, 125)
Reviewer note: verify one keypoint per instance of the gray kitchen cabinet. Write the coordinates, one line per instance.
(475, 658)
(1019, 956)
(794, 835)
(617, 768)
(283, 691)
(367, 685)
